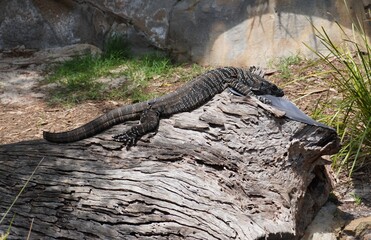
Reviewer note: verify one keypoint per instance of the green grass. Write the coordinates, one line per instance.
(77, 79)
(350, 65)
(282, 64)
(140, 71)
(117, 47)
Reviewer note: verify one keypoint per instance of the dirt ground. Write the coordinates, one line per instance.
(24, 114)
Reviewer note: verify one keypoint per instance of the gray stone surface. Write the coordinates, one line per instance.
(42, 24)
(22, 71)
(210, 32)
(324, 224)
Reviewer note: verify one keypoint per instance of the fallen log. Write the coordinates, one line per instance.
(227, 170)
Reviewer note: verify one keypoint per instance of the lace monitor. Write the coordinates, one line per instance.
(188, 97)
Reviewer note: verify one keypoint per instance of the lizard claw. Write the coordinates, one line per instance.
(264, 100)
(126, 138)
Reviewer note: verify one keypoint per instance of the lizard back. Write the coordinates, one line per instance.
(188, 97)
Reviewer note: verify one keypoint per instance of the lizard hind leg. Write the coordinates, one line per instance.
(149, 121)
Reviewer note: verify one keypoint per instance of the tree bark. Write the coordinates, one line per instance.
(227, 170)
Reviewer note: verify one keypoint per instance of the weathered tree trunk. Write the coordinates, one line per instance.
(228, 170)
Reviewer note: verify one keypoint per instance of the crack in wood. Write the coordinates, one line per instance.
(241, 175)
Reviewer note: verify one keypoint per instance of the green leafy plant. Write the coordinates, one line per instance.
(350, 65)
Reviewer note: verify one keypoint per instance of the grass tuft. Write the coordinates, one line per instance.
(117, 47)
(283, 64)
(350, 65)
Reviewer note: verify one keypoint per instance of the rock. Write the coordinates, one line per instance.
(60, 54)
(52, 55)
(209, 32)
(324, 225)
(112, 83)
(332, 223)
(358, 228)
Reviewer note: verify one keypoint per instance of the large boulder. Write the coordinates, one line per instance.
(209, 32)
(254, 32)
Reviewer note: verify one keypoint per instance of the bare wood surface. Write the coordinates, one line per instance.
(228, 170)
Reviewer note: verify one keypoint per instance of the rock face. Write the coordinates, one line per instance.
(210, 32)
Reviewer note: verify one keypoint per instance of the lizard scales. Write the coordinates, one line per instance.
(188, 97)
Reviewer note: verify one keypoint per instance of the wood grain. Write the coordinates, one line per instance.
(228, 170)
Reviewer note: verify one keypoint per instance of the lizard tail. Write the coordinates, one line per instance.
(96, 126)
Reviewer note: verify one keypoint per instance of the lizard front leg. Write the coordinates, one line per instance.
(242, 89)
(149, 121)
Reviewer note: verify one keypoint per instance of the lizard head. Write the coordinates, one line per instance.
(260, 86)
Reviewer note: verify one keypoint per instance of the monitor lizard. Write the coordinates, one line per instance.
(247, 82)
